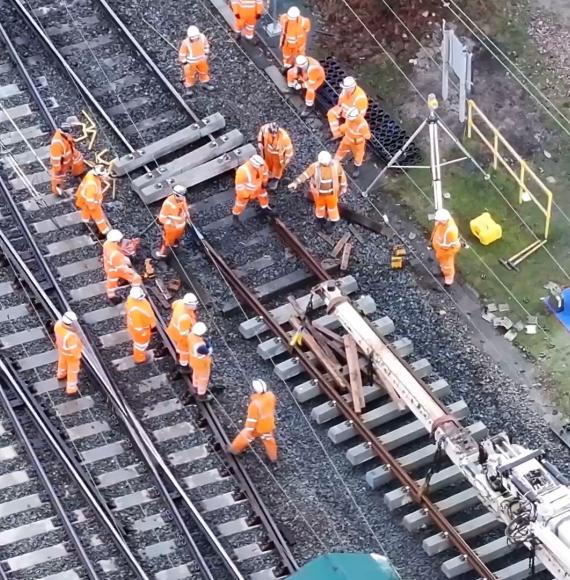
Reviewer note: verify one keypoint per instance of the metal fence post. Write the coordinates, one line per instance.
(445, 59)
(273, 28)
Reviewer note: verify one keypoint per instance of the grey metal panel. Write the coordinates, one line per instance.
(518, 571)
(79, 267)
(105, 313)
(177, 573)
(69, 245)
(133, 499)
(379, 416)
(74, 406)
(103, 452)
(38, 360)
(162, 408)
(203, 172)
(22, 504)
(152, 384)
(22, 337)
(234, 527)
(87, 430)
(114, 338)
(188, 455)
(6, 288)
(35, 558)
(218, 502)
(8, 452)
(14, 312)
(247, 552)
(16, 112)
(278, 79)
(58, 222)
(118, 476)
(488, 552)
(10, 90)
(47, 386)
(204, 478)
(169, 144)
(26, 531)
(194, 158)
(89, 291)
(173, 432)
(254, 326)
(17, 184)
(406, 434)
(159, 549)
(149, 523)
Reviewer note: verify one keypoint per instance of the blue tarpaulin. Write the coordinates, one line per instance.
(564, 316)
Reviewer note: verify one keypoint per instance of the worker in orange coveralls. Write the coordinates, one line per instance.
(173, 217)
(89, 198)
(446, 244)
(355, 132)
(251, 183)
(69, 349)
(140, 322)
(117, 266)
(294, 31)
(327, 183)
(184, 317)
(260, 422)
(64, 157)
(276, 148)
(351, 97)
(200, 358)
(308, 74)
(247, 13)
(193, 55)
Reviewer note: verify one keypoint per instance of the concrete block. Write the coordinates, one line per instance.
(419, 458)
(362, 452)
(519, 570)
(274, 346)
(255, 326)
(403, 346)
(480, 525)
(278, 79)
(328, 411)
(168, 144)
(204, 172)
(488, 552)
(398, 498)
(456, 503)
(196, 157)
(381, 415)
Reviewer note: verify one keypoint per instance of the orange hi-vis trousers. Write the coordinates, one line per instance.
(446, 260)
(171, 236)
(244, 197)
(246, 437)
(68, 368)
(201, 371)
(95, 212)
(326, 205)
(58, 173)
(274, 165)
(141, 340)
(346, 146)
(196, 72)
(114, 276)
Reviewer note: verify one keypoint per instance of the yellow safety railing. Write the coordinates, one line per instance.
(521, 174)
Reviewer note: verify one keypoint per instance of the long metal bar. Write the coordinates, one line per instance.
(9, 381)
(367, 435)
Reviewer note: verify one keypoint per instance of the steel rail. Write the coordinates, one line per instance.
(407, 481)
(9, 381)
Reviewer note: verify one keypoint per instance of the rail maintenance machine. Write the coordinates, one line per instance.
(517, 484)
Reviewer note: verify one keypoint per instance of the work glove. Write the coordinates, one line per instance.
(298, 86)
(292, 186)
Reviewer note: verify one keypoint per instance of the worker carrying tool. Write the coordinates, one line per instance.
(251, 182)
(351, 97)
(89, 198)
(355, 132)
(140, 322)
(200, 357)
(247, 13)
(117, 265)
(193, 56)
(173, 216)
(69, 349)
(294, 31)
(184, 317)
(327, 183)
(260, 422)
(307, 73)
(64, 156)
(276, 148)
(446, 244)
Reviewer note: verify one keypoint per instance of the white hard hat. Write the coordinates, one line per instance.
(137, 293)
(301, 60)
(192, 31)
(190, 299)
(442, 215)
(293, 13)
(324, 158)
(69, 317)
(114, 236)
(99, 169)
(259, 385)
(348, 83)
(179, 189)
(352, 113)
(199, 329)
(257, 160)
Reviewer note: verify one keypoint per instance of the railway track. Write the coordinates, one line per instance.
(179, 485)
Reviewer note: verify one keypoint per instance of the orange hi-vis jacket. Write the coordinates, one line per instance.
(89, 193)
(261, 413)
(67, 341)
(294, 32)
(61, 152)
(325, 179)
(183, 319)
(140, 315)
(279, 145)
(311, 78)
(250, 180)
(445, 239)
(174, 212)
(357, 99)
(114, 261)
(355, 131)
(194, 51)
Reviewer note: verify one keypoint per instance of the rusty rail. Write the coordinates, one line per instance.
(407, 481)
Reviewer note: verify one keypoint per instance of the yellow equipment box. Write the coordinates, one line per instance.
(485, 229)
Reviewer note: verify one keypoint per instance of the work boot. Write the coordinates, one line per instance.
(189, 92)
(187, 398)
(306, 112)
(204, 398)
(355, 172)
(184, 370)
(235, 221)
(208, 87)
(158, 255)
(115, 300)
(329, 226)
(321, 222)
(273, 184)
